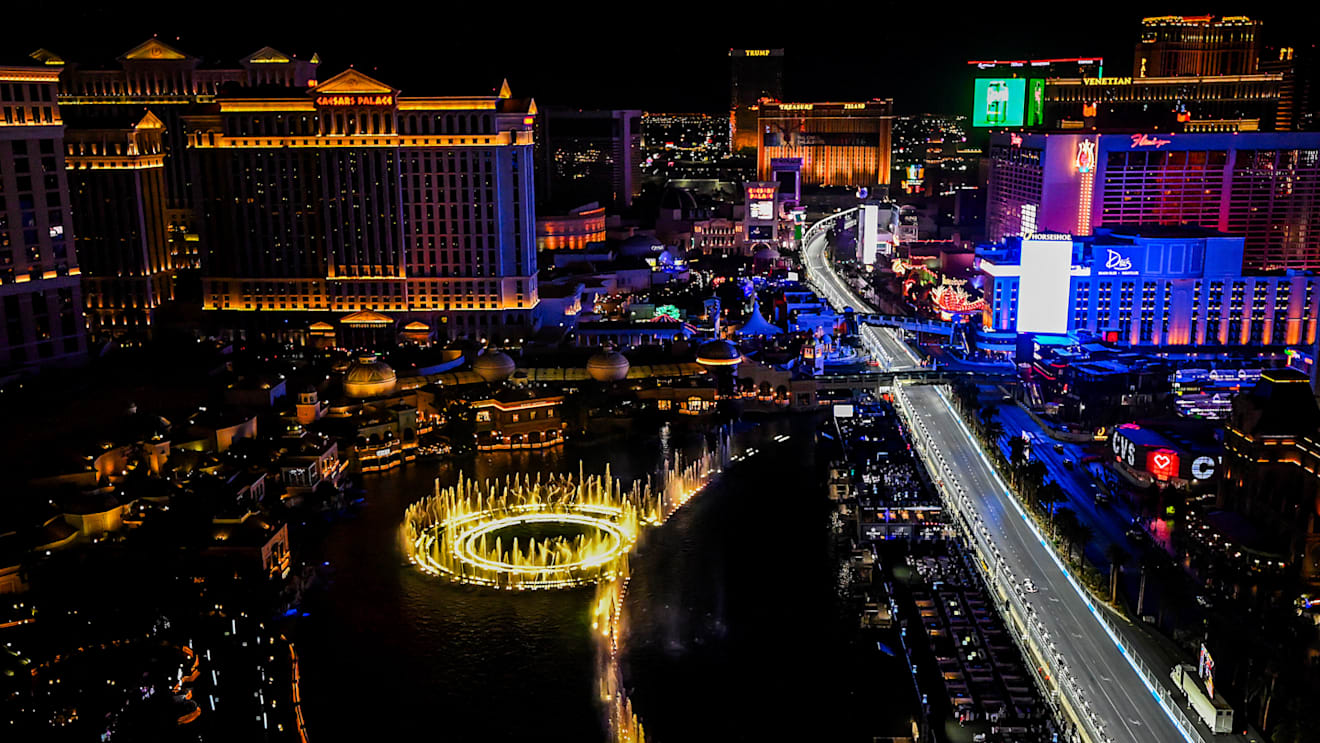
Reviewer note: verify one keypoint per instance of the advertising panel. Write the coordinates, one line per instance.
(763, 211)
(868, 223)
(1205, 668)
(999, 101)
(761, 232)
(1163, 463)
(1036, 103)
(1045, 284)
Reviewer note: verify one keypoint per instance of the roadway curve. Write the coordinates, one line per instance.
(892, 353)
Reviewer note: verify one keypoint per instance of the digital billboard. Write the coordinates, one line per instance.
(1045, 283)
(1036, 103)
(761, 232)
(999, 101)
(1164, 464)
(763, 211)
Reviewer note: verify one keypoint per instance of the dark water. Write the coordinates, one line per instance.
(732, 597)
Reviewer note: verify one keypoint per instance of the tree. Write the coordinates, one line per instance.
(1033, 478)
(1049, 494)
(1081, 537)
(1017, 452)
(1117, 556)
(1065, 523)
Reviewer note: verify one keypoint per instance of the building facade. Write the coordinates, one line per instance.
(41, 317)
(576, 230)
(170, 83)
(840, 144)
(1271, 455)
(118, 188)
(1175, 45)
(1145, 286)
(1264, 186)
(349, 196)
(1184, 103)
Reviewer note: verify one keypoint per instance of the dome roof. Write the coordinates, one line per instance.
(766, 253)
(368, 376)
(640, 246)
(718, 352)
(493, 366)
(608, 366)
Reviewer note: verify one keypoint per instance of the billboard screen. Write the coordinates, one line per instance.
(761, 232)
(999, 101)
(1163, 463)
(1036, 103)
(763, 211)
(1045, 284)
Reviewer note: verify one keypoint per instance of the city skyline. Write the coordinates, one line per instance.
(607, 374)
(607, 68)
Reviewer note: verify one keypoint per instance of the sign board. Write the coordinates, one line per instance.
(380, 100)
(1036, 103)
(1117, 263)
(999, 101)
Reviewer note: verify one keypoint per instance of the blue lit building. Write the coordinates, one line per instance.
(1264, 186)
(1148, 285)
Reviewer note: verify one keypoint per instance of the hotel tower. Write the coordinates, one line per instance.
(348, 202)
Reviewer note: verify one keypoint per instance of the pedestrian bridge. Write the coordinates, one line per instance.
(914, 324)
(875, 379)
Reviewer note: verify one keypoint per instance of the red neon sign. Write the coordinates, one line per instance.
(1015, 140)
(1162, 463)
(760, 193)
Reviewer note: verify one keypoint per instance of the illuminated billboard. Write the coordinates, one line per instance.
(1036, 103)
(868, 229)
(1164, 464)
(999, 101)
(762, 210)
(1045, 284)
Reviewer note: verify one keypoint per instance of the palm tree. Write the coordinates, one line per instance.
(1033, 478)
(1049, 494)
(1081, 537)
(1065, 523)
(1017, 450)
(1117, 556)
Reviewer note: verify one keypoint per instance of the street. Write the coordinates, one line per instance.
(1117, 696)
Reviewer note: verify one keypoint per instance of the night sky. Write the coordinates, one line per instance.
(660, 56)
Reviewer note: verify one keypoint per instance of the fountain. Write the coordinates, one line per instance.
(454, 533)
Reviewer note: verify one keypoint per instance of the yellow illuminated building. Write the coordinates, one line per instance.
(353, 197)
(840, 144)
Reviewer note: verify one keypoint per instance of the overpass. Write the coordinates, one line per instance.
(872, 380)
